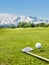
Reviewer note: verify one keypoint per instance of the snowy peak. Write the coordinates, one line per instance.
(7, 19)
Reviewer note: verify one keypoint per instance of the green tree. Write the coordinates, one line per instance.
(12, 26)
(23, 24)
(32, 25)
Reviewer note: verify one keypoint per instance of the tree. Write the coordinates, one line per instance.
(41, 25)
(23, 24)
(32, 25)
(12, 26)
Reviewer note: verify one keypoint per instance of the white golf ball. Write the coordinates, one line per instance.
(38, 45)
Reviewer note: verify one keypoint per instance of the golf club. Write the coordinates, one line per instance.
(27, 49)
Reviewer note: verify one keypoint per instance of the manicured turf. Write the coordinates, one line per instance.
(12, 41)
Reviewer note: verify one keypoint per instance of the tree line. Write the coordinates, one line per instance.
(26, 25)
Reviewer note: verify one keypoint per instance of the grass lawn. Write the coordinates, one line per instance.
(12, 41)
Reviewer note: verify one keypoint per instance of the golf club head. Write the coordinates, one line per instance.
(27, 49)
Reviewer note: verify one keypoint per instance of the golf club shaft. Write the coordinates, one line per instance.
(43, 58)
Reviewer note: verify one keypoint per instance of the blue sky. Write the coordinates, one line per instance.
(39, 8)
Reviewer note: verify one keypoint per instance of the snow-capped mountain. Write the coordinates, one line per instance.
(8, 19)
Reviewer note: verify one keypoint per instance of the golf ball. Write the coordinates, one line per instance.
(38, 45)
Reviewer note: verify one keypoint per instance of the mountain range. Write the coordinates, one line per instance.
(8, 19)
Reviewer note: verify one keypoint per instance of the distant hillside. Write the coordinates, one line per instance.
(8, 19)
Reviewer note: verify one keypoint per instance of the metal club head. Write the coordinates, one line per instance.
(27, 49)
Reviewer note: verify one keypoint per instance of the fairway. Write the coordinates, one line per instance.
(12, 41)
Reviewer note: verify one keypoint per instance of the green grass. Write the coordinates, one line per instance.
(12, 41)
